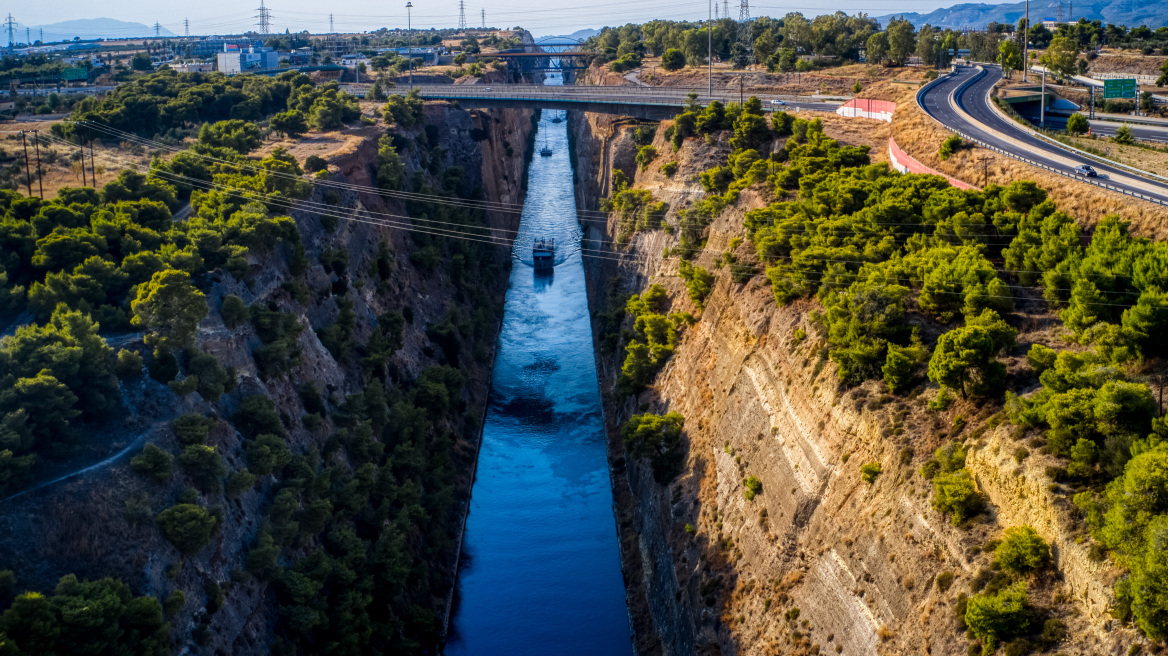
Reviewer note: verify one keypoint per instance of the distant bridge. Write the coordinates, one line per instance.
(650, 103)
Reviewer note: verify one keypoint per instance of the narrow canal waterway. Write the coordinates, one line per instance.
(540, 571)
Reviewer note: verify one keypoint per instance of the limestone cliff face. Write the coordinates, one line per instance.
(819, 562)
(82, 525)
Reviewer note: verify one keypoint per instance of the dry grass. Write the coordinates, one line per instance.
(920, 136)
(1152, 159)
(64, 172)
(1127, 61)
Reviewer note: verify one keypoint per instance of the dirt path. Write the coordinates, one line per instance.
(84, 470)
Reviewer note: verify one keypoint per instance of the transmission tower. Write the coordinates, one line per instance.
(462, 14)
(744, 11)
(265, 17)
(186, 27)
(330, 23)
(10, 25)
(157, 30)
(715, 11)
(725, 8)
(27, 36)
(42, 36)
(484, 15)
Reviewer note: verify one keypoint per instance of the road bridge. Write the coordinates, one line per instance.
(650, 103)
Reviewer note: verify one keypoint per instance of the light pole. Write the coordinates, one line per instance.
(710, 51)
(1026, 42)
(410, 43)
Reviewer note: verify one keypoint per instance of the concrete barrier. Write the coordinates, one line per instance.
(879, 110)
(905, 163)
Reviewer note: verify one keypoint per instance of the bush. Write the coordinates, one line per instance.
(257, 415)
(956, 493)
(1124, 135)
(753, 487)
(669, 168)
(129, 364)
(204, 465)
(188, 527)
(950, 146)
(672, 60)
(234, 311)
(267, 454)
(645, 156)
(240, 482)
(869, 472)
(314, 163)
(994, 618)
(153, 462)
(191, 429)
(944, 581)
(175, 602)
(1022, 551)
(1077, 124)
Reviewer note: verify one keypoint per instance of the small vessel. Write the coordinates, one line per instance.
(543, 254)
(557, 120)
(545, 151)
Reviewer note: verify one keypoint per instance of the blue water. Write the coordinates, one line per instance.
(540, 571)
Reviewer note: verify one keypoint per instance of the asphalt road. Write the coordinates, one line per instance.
(983, 123)
(653, 96)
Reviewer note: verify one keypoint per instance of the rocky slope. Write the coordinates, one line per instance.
(101, 523)
(819, 561)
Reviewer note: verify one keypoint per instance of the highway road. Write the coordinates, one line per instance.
(966, 109)
(607, 95)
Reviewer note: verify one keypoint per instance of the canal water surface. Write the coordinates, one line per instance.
(540, 571)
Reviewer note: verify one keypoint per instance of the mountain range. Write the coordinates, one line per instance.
(95, 28)
(1153, 13)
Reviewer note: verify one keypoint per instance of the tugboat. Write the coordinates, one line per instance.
(543, 254)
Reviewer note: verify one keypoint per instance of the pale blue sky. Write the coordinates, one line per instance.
(541, 17)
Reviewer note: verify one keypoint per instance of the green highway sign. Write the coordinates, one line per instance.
(1119, 88)
(73, 74)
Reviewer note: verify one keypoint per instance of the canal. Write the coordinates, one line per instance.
(540, 570)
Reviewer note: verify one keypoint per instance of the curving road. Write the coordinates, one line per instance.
(961, 102)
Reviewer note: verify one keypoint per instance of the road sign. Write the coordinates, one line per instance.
(1119, 88)
(74, 74)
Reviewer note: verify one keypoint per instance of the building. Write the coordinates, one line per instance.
(354, 60)
(233, 60)
(193, 67)
(214, 45)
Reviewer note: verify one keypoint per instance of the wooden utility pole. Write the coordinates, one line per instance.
(27, 173)
(36, 142)
(985, 160)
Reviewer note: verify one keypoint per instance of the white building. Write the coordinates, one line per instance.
(233, 60)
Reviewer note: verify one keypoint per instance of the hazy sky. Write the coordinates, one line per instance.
(540, 16)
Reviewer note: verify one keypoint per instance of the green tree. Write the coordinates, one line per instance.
(956, 493)
(673, 60)
(170, 307)
(153, 462)
(141, 62)
(1022, 551)
(870, 471)
(267, 454)
(291, 123)
(390, 170)
(1077, 124)
(204, 465)
(188, 527)
(698, 282)
(645, 156)
(877, 48)
(1060, 56)
(1124, 135)
(996, 617)
(648, 435)
(240, 136)
(966, 359)
(234, 311)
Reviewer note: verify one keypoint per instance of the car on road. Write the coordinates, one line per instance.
(487, 89)
(1086, 171)
(777, 102)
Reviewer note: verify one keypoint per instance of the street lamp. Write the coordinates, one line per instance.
(1026, 42)
(410, 43)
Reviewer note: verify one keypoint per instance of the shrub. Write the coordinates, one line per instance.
(314, 163)
(944, 581)
(998, 617)
(672, 59)
(1022, 550)
(188, 527)
(192, 429)
(175, 602)
(942, 401)
(240, 482)
(234, 311)
(950, 146)
(1077, 124)
(1124, 135)
(645, 156)
(257, 415)
(869, 472)
(153, 462)
(129, 364)
(267, 454)
(669, 168)
(753, 487)
(204, 465)
(956, 493)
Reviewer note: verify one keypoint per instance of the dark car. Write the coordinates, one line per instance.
(1086, 171)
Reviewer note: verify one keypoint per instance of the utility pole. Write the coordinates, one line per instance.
(741, 97)
(985, 160)
(1026, 42)
(462, 14)
(27, 172)
(82, 148)
(710, 51)
(410, 43)
(1042, 102)
(36, 141)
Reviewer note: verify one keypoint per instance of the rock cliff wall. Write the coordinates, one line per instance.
(819, 562)
(84, 525)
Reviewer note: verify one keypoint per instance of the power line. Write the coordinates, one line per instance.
(462, 14)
